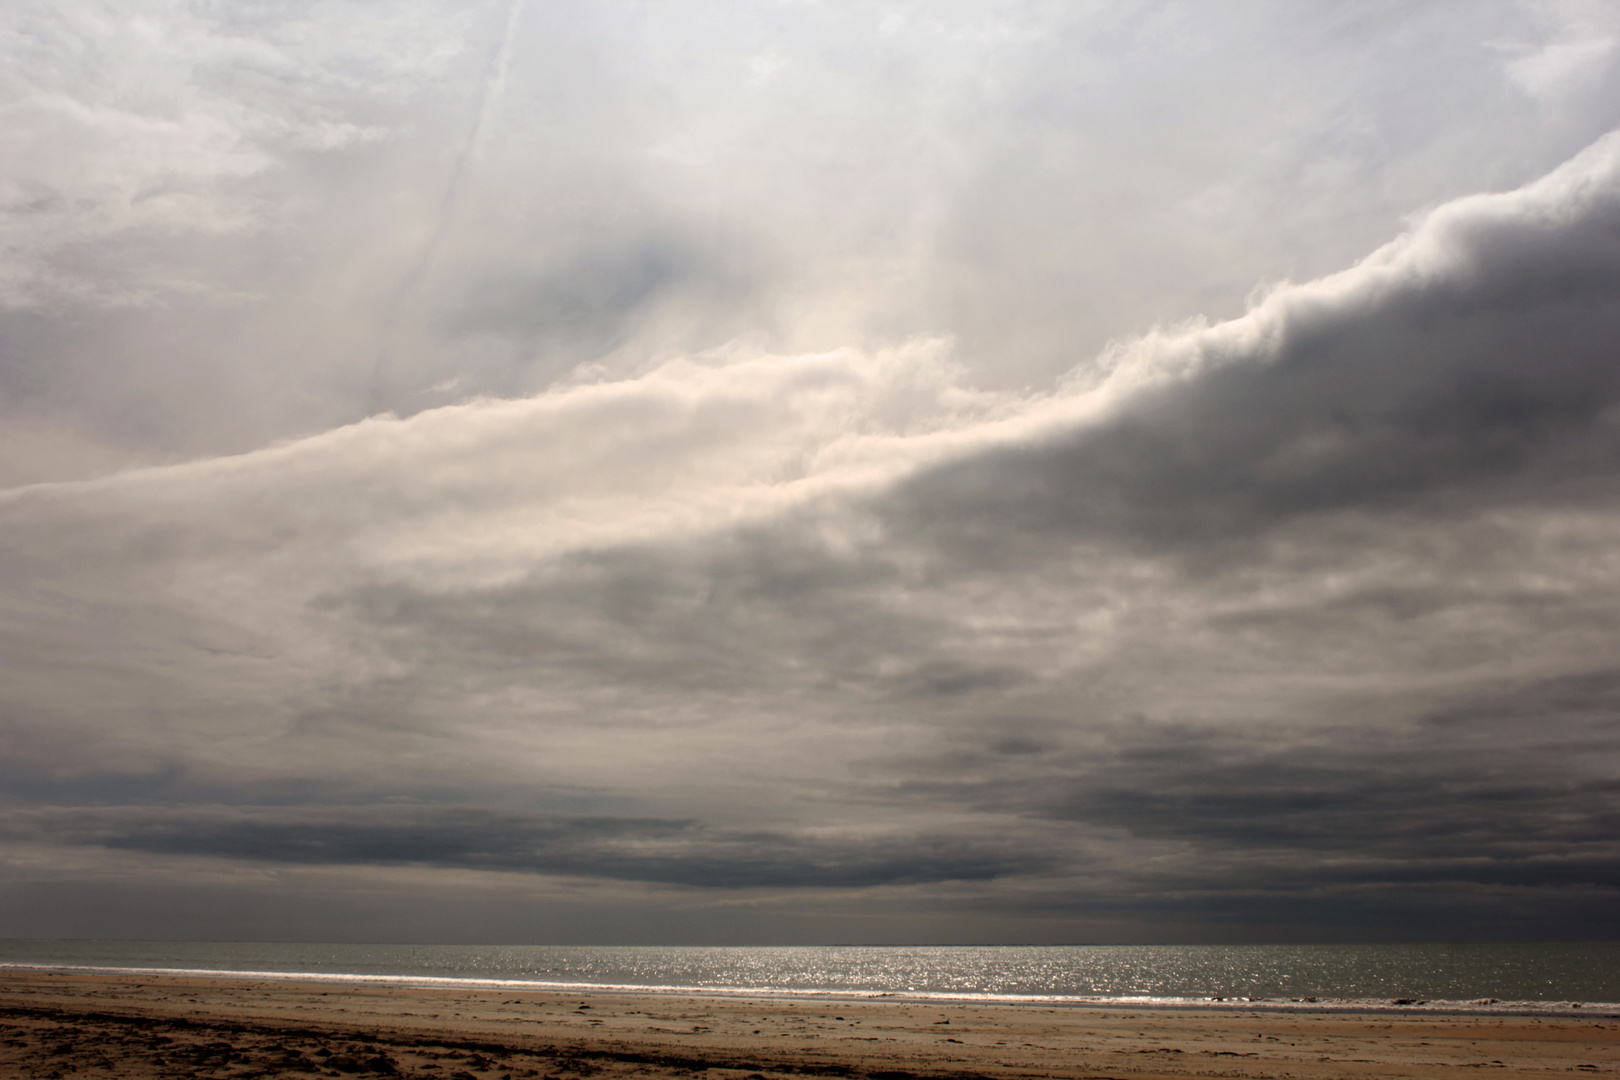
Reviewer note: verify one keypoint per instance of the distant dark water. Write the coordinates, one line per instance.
(1441, 976)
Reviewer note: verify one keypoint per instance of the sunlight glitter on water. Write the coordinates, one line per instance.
(1412, 976)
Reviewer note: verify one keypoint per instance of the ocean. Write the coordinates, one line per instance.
(1488, 978)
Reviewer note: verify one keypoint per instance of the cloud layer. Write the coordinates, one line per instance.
(673, 569)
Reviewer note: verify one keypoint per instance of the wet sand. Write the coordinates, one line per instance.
(73, 1025)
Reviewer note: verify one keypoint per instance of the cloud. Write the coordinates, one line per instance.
(1301, 616)
(629, 849)
(1575, 55)
(216, 209)
(1471, 353)
(220, 100)
(1493, 783)
(1555, 69)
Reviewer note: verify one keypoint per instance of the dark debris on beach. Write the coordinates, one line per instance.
(50, 1044)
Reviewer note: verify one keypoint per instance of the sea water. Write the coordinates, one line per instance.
(1484, 977)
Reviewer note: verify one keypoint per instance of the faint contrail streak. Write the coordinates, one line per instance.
(494, 84)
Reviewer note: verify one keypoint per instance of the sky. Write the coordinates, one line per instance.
(783, 472)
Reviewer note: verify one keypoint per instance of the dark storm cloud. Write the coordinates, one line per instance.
(1473, 361)
(756, 610)
(1392, 805)
(1509, 787)
(664, 851)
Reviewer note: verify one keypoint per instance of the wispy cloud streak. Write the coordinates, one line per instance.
(493, 85)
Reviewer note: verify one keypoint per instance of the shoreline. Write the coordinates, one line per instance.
(1315, 1004)
(146, 1026)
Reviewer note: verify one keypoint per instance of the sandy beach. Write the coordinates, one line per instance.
(68, 1025)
